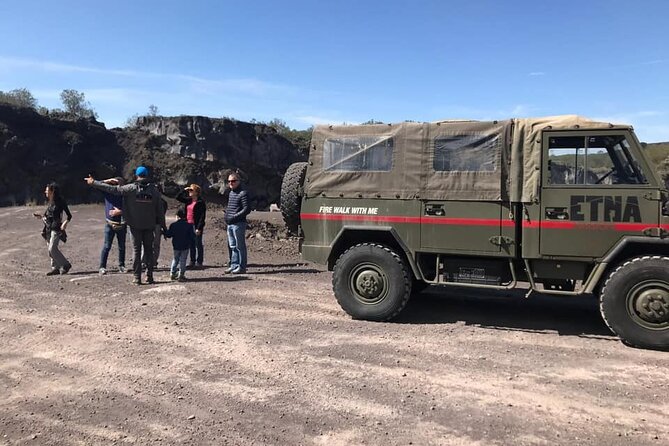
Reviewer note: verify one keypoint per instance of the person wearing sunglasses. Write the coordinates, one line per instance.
(235, 217)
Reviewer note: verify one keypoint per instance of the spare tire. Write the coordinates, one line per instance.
(291, 195)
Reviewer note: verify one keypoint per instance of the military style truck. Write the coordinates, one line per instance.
(560, 205)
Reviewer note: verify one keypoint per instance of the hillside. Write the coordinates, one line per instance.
(36, 149)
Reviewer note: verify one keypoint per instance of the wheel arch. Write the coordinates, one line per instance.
(351, 235)
(629, 248)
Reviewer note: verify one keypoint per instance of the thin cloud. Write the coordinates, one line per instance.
(537, 73)
(247, 86)
(629, 117)
(319, 120)
(10, 62)
(197, 84)
(649, 125)
(520, 110)
(655, 62)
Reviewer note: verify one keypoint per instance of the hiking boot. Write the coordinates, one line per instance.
(66, 268)
(137, 281)
(53, 272)
(238, 270)
(149, 280)
(182, 278)
(121, 269)
(173, 276)
(103, 271)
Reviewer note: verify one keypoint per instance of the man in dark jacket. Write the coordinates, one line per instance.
(196, 213)
(235, 217)
(143, 211)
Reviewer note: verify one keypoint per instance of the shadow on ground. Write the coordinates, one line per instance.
(506, 310)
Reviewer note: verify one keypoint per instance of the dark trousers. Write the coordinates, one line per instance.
(142, 238)
(197, 250)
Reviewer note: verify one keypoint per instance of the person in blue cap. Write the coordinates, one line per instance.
(142, 207)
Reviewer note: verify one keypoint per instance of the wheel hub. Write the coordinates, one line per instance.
(369, 284)
(652, 305)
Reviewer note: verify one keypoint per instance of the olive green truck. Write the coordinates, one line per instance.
(559, 205)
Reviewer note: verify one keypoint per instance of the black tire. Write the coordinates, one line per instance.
(371, 282)
(291, 195)
(635, 302)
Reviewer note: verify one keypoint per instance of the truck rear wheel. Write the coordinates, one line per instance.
(291, 195)
(635, 302)
(371, 282)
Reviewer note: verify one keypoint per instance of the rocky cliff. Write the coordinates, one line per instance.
(37, 149)
(198, 149)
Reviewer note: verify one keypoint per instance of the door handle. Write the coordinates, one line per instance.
(435, 209)
(557, 214)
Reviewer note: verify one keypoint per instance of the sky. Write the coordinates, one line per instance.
(316, 62)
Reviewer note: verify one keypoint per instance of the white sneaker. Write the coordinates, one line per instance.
(103, 271)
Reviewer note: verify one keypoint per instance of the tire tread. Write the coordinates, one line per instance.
(603, 294)
(400, 262)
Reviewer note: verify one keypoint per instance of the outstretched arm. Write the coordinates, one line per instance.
(110, 189)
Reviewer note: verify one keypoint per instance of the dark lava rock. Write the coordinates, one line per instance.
(36, 149)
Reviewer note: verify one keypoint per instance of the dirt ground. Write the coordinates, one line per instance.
(270, 358)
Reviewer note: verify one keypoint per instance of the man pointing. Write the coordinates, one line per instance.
(143, 211)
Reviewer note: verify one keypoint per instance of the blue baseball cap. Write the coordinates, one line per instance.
(142, 171)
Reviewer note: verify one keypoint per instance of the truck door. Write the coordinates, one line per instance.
(594, 191)
(458, 226)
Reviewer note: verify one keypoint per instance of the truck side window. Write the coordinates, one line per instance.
(469, 152)
(358, 154)
(592, 160)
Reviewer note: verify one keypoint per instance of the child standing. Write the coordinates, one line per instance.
(183, 236)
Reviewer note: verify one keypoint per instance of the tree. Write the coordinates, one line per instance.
(76, 105)
(21, 97)
(153, 110)
(279, 125)
(132, 122)
(371, 122)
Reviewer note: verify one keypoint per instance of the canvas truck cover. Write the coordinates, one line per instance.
(444, 160)
(526, 150)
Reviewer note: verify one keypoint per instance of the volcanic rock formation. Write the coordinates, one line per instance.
(36, 149)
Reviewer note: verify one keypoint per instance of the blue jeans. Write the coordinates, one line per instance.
(180, 258)
(197, 248)
(109, 240)
(237, 244)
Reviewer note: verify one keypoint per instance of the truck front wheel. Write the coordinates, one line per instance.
(635, 302)
(371, 282)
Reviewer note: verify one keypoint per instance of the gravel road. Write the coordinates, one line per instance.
(270, 358)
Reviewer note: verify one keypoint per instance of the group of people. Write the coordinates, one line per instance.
(139, 206)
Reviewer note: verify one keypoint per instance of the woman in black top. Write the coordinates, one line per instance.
(54, 228)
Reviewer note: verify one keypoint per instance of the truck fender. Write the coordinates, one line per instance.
(350, 235)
